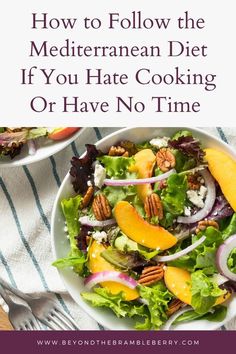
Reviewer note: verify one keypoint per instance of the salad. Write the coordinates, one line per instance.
(12, 140)
(152, 230)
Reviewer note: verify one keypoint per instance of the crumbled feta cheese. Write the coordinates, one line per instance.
(196, 197)
(159, 142)
(65, 229)
(187, 211)
(203, 192)
(99, 175)
(89, 183)
(99, 236)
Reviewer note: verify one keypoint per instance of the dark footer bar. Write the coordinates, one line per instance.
(117, 342)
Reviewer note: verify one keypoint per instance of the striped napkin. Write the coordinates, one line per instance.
(27, 195)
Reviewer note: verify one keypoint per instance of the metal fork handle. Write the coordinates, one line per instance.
(6, 285)
(27, 298)
(5, 296)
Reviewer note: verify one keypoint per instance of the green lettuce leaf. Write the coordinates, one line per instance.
(76, 258)
(37, 133)
(151, 316)
(217, 314)
(183, 162)
(126, 261)
(116, 194)
(181, 133)
(123, 243)
(145, 145)
(129, 193)
(101, 297)
(230, 229)
(69, 261)
(231, 261)
(204, 256)
(157, 297)
(205, 292)
(116, 166)
(174, 195)
(70, 208)
(188, 316)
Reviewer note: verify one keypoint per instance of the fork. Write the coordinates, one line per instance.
(20, 316)
(45, 309)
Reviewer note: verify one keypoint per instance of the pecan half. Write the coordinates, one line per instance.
(151, 275)
(101, 207)
(153, 206)
(129, 147)
(202, 225)
(194, 181)
(174, 306)
(117, 151)
(87, 197)
(165, 159)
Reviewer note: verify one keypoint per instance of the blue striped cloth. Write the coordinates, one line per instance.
(27, 195)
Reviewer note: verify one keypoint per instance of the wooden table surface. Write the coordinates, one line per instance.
(4, 323)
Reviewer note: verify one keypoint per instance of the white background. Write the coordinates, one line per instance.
(217, 107)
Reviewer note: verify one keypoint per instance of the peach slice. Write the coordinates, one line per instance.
(144, 164)
(62, 133)
(98, 264)
(178, 280)
(223, 169)
(139, 230)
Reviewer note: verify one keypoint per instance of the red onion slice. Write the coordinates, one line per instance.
(127, 182)
(181, 253)
(143, 301)
(222, 255)
(220, 279)
(172, 318)
(117, 277)
(31, 147)
(84, 220)
(209, 201)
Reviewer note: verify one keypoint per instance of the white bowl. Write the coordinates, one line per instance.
(74, 283)
(45, 148)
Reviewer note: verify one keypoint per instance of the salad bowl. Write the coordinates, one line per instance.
(44, 148)
(60, 245)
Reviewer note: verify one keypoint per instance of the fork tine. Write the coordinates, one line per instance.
(29, 326)
(64, 320)
(25, 327)
(69, 318)
(35, 325)
(57, 322)
(50, 324)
